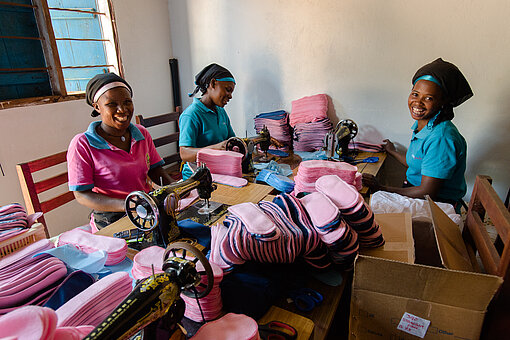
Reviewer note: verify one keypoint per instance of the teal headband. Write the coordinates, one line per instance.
(429, 78)
(227, 79)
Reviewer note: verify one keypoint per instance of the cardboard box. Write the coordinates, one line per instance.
(454, 298)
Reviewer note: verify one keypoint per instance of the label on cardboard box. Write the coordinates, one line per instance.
(414, 325)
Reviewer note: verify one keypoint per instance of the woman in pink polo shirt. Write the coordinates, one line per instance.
(113, 157)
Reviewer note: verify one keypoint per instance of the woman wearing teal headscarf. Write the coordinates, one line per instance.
(205, 123)
(436, 158)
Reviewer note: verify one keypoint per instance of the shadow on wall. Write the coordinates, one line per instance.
(332, 112)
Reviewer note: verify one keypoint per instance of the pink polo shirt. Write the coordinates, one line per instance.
(93, 163)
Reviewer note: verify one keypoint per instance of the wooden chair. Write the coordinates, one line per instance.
(32, 189)
(173, 160)
(486, 203)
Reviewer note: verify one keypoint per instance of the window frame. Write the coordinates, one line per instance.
(49, 46)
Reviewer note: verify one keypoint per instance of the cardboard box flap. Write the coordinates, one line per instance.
(452, 249)
(454, 288)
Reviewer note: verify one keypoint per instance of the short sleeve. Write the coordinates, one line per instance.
(80, 166)
(188, 131)
(154, 157)
(440, 158)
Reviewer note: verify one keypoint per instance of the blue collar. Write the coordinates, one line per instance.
(202, 106)
(99, 142)
(426, 129)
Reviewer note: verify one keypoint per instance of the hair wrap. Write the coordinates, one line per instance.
(210, 72)
(101, 83)
(452, 82)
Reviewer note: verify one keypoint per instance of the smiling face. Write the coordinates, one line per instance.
(220, 92)
(116, 109)
(425, 101)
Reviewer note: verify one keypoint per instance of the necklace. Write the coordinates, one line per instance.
(122, 138)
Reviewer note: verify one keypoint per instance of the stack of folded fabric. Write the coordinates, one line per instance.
(338, 236)
(277, 124)
(221, 162)
(25, 280)
(355, 211)
(309, 118)
(211, 304)
(13, 221)
(94, 304)
(366, 147)
(146, 261)
(37, 323)
(116, 248)
(310, 171)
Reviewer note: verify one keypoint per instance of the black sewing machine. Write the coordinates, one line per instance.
(154, 213)
(154, 304)
(246, 146)
(337, 140)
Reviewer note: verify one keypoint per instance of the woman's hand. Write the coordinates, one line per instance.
(389, 147)
(218, 146)
(371, 182)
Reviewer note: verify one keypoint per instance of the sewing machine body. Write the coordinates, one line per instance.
(336, 141)
(246, 146)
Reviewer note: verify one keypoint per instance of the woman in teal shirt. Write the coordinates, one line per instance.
(205, 123)
(436, 158)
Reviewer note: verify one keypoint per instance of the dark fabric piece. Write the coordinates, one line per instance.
(73, 284)
(210, 72)
(98, 82)
(453, 83)
(102, 219)
(195, 230)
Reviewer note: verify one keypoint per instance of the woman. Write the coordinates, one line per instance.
(205, 124)
(436, 158)
(113, 157)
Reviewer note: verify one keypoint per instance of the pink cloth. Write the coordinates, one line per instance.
(221, 162)
(145, 260)
(343, 195)
(310, 171)
(309, 109)
(25, 253)
(254, 219)
(232, 181)
(229, 327)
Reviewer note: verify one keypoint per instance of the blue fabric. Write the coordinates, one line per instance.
(306, 155)
(197, 231)
(438, 151)
(275, 115)
(200, 127)
(280, 169)
(429, 78)
(78, 260)
(279, 182)
(73, 284)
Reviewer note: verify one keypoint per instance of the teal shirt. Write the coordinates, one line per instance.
(438, 151)
(200, 127)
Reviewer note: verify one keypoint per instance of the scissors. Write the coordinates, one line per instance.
(277, 330)
(305, 299)
(365, 160)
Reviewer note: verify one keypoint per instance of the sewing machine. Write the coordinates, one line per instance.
(337, 140)
(246, 146)
(155, 213)
(154, 304)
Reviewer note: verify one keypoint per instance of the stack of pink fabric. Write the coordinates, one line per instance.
(13, 221)
(231, 327)
(310, 171)
(366, 147)
(25, 280)
(309, 109)
(309, 118)
(94, 304)
(38, 323)
(147, 259)
(221, 162)
(116, 248)
(211, 304)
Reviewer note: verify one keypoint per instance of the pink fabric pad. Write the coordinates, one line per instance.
(308, 109)
(320, 209)
(343, 195)
(188, 200)
(26, 253)
(29, 323)
(229, 327)
(89, 243)
(145, 259)
(221, 161)
(230, 180)
(254, 219)
(320, 168)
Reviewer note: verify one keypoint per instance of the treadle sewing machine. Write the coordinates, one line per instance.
(337, 140)
(154, 214)
(154, 305)
(246, 146)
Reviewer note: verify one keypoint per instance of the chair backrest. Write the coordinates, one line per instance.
(486, 203)
(32, 189)
(173, 159)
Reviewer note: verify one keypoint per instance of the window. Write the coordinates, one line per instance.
(49, 49)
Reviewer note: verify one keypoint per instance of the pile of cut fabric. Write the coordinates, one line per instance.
(221, 162)
(14, 220)
(310, 171)
(278, 126)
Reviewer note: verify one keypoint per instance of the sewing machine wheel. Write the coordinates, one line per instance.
(351, 125)
(186, 251)
(142, 210)
(238, 145)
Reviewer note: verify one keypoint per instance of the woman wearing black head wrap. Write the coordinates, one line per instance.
(113, 157)
(205, 124)
(436, 158)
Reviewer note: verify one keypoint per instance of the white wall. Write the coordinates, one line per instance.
(32, 132)
(361, 53)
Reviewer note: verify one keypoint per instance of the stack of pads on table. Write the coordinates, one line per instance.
(14, 220)
(225, 166)
(322, 228)
(278, 126)
(310, 171)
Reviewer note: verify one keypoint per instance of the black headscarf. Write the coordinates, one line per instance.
(210, 72)
(96, 83)
(452, 82)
